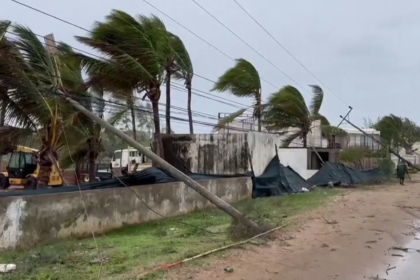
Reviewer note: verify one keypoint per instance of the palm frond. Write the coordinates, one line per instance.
(316, 102)
(4, 26)
(289, 139)
(227, 120)
(285, 109)
(242, 80)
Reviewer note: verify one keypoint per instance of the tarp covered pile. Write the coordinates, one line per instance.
(278, 180)
(339, 174)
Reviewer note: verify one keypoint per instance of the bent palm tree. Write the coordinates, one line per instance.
(398, 132)
(32, 107)
(136, 50)
(242, 80)
(184, 70)
(287, 109)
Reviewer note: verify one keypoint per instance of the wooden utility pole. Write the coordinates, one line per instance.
(224, 206)
(379, 142)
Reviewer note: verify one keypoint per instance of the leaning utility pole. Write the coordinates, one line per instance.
(379, 142)
(226, 207)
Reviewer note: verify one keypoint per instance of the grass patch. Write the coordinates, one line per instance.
(129, 251)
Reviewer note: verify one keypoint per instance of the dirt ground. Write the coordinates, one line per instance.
(349, 238)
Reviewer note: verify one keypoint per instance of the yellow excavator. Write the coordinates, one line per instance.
(23, 169)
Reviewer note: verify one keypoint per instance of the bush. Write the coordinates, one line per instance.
(353, 155)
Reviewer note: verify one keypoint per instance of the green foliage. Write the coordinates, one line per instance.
(287, 109)
(130, 251)
(353, 155)
(242, 80)
(398, 131)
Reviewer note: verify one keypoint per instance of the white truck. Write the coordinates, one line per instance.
(126, 159)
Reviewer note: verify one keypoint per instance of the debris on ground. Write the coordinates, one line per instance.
(229, 269)
(404, 249)
(389, 268)
(7, 268)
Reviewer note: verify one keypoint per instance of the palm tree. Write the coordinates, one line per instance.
(32, 106)
(6, 49)
(136, 51)
(180, 66)
(241, 80)
(398, 132)
(287, 109)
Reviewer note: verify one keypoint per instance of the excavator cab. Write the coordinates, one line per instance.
(23, 170)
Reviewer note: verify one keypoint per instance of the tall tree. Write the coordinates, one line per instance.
(398, 132)
(287, 109)
(184, 70)
(242, 80)
(136, 51)
(32, 106)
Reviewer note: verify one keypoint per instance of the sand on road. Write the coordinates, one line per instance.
(349, 238)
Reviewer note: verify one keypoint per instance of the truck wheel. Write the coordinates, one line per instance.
(4, 182)
(31, 183)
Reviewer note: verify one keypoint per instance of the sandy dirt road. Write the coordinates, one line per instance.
(349, 238)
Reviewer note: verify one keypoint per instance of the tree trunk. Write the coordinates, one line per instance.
(2, 122)
(305, 140)
(92, 173)
(45, 167)
(190, 119)
(78, 172)
(258, 112)
(156, 122)
(133, 122)
(168, 101)
(3, 114)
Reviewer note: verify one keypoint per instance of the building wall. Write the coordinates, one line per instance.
(221, 153)
(28, 220)
(296, 158)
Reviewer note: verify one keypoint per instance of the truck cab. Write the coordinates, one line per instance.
(126, 159)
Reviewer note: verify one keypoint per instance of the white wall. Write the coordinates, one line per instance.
(263, 149)
(296, 159)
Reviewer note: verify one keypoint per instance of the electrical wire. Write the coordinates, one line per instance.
(247, 44)
(85, 29)
(144, 110)
(286, 50)
(103, 58)
(193, 92)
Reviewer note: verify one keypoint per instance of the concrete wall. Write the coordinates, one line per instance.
(28, 220)
(220, 153)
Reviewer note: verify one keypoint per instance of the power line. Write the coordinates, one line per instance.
(286, 50)
(77, 49)
(252, 48)
(57, 18)
(85, 29)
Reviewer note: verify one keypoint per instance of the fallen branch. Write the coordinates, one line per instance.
(167, 266)
(405, 249)
(390, 268)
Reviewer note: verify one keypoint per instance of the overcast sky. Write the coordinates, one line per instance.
(365, 52)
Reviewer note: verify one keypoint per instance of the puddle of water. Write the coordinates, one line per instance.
(406, 268)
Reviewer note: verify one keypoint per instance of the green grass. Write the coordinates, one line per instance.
(134, 249)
